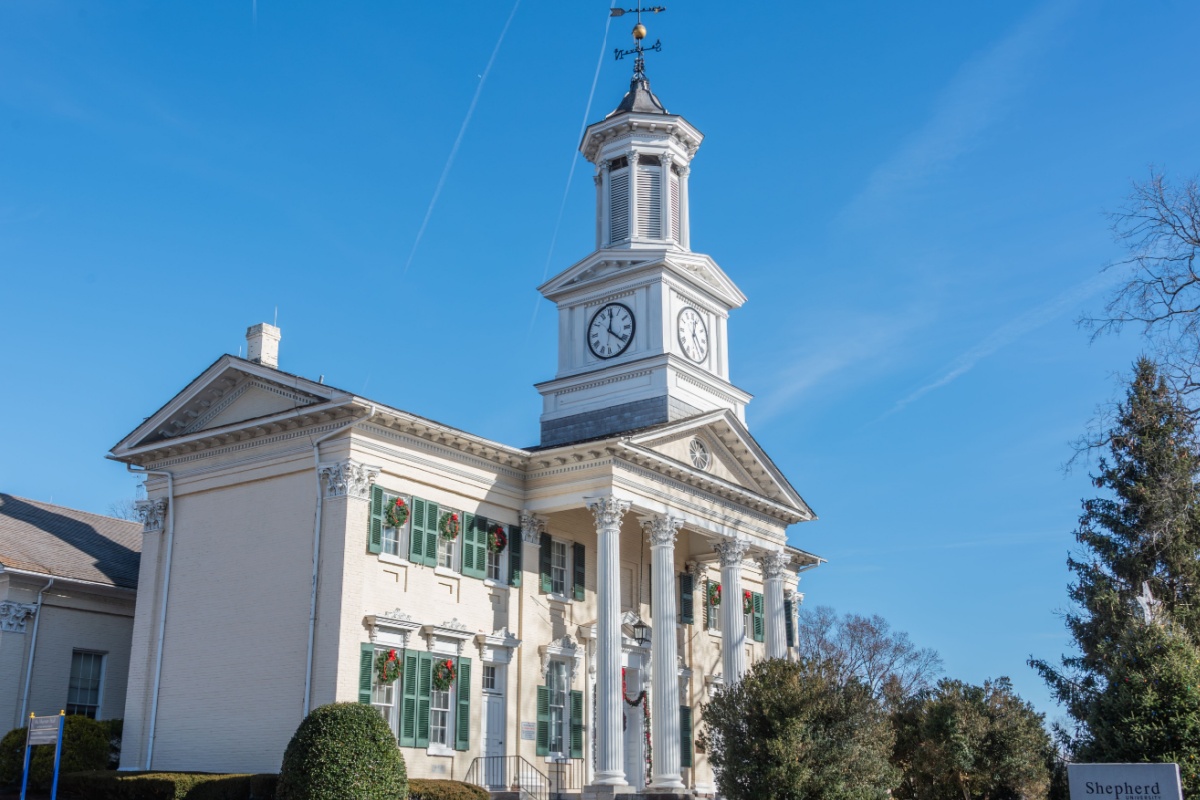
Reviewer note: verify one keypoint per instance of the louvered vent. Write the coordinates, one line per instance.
(619, 205)
(649, 200)
(675, 207)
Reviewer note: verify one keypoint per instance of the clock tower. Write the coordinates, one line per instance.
(641, 320)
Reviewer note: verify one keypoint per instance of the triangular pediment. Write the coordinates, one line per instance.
(229, 394)
(608, 266)
(734, 455)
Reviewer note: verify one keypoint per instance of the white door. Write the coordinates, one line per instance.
(493, 726)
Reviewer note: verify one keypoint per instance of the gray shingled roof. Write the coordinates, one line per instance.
(66, 543)
(639, 99)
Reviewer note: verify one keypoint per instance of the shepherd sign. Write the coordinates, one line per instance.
(1124, 781)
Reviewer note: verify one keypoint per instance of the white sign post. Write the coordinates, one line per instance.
(44, 730)
(1124, 781)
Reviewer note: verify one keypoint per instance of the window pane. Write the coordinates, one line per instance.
(439, 714)
(558, 567)
(489, 677)
(493, 565)
(557, 684)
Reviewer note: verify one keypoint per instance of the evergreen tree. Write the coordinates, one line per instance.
(964, 742)
(1144, 532)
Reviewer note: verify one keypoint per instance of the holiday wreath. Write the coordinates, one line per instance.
(443, 675)
(387, 666)
(747, 602)
(449, 525)
(497, 540)
(714, 594)
(397, 513)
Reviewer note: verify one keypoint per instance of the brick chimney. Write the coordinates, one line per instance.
(262, 345)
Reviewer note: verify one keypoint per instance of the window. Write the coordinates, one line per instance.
(394, 536)
(439, 717)
(489, 678)
(83, 691)
(383, 695)
(493, 565)
(712, 607)
(558, 568)
(556, 681)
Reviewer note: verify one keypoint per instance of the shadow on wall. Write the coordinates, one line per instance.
(114, 560)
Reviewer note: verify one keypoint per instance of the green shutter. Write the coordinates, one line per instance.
(462, 726)
(432, 517)
(366, 666)
(707, 607)
(543, 720)
(375, 528)
(544, 563)
(416, 532)
(516, 544)
(424, 692)
(687, 608)
(788, 622)
(474, 546)
(576, 724)
(578, 570)
(408, 699)
(756, 615)
(685, 736)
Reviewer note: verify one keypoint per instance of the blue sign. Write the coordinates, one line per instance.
(44, 730)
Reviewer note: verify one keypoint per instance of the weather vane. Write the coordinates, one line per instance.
(639, 33)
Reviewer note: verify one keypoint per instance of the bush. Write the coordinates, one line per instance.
(445, 790)
(85, 747)
(343, 751)
(105, 785)
(115, 728)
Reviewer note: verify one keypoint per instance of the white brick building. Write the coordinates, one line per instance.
(278, 583)
(68, 581)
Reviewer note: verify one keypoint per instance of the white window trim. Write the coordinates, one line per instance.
(403, 534)
(437, 748)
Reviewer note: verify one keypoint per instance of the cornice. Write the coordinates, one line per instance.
(486, 454)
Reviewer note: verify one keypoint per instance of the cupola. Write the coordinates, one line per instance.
(642, 155)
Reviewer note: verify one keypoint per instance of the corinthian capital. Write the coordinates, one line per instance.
(773, 562)
(661, 530)
(151, 513)
(532, 527)
(348, 478)
(14, 615)
(730, 551)
(607, 510)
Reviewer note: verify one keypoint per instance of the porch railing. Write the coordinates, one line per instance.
(509, 774)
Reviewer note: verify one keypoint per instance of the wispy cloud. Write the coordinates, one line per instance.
(977, 97)
(1009, 332)
(855, 343)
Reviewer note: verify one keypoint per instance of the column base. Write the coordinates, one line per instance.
(607, 791)
(667, 791)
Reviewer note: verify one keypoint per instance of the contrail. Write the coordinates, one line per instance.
(458, 140)
(574, 160)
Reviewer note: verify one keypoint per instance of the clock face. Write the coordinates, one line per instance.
(611, 331)
(693, 336)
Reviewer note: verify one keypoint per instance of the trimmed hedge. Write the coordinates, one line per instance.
(107, 785)
(343, 751)
(445, 790)
(86, 745)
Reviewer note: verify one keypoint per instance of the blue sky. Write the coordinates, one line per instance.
(913, 197)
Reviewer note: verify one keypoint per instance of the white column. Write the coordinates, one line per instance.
(772, 563)
(733, 623)
(664, 691)
(610, 766)
(664, 209)
(792, 600)
(685, 221)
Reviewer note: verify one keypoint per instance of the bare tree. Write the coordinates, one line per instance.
(124, 509)
(1160, 228)
(867, 649)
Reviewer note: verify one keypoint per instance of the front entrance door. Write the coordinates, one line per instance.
(493, 726)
